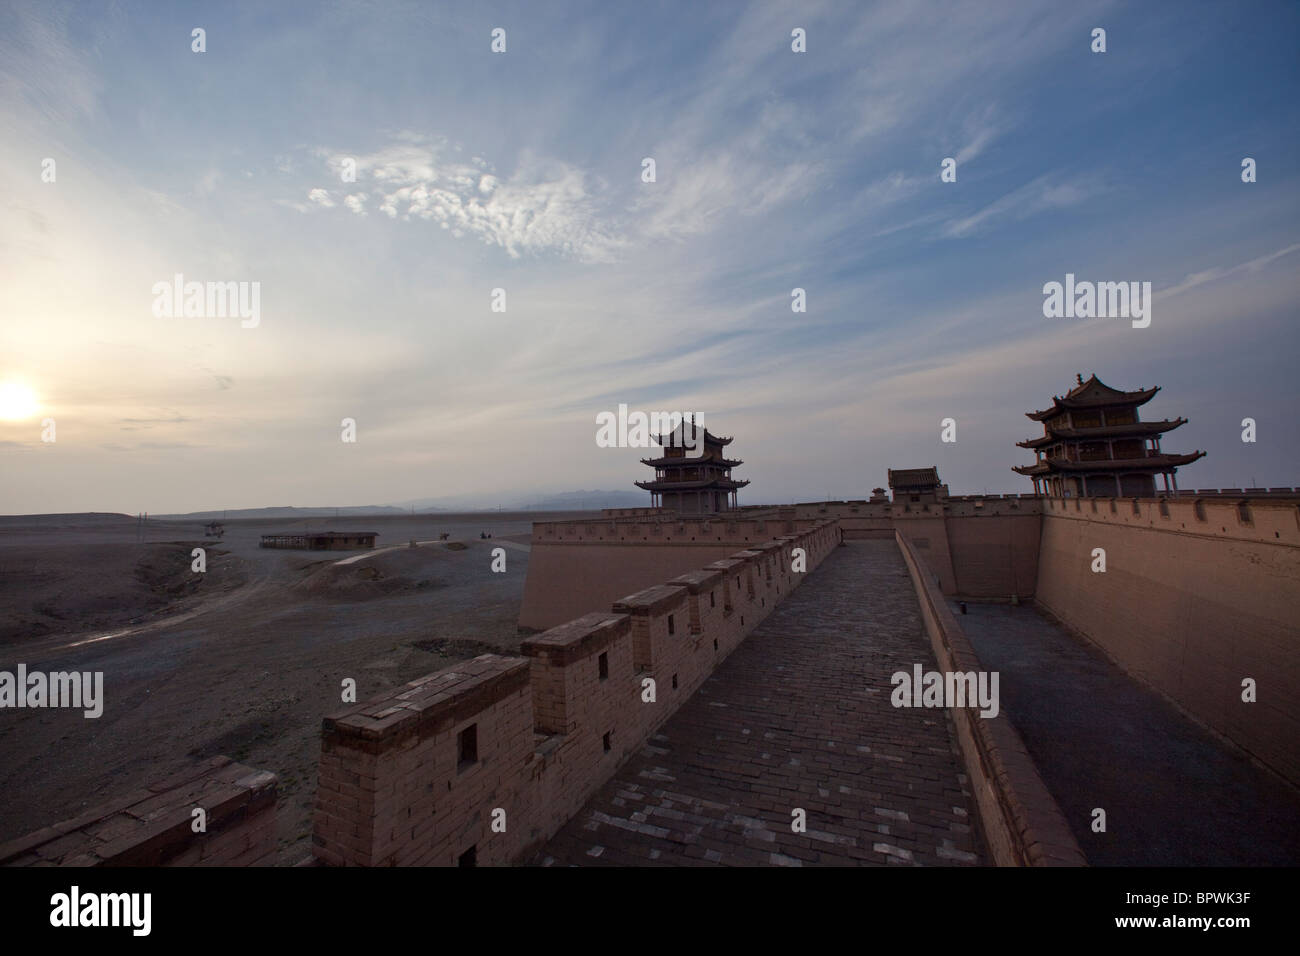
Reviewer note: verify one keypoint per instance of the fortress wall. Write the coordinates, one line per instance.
(858, 519)
(927, 531)
(865, 526)
(1196, 596)
(584, 565)
(979, 545)
(155, 826)
(580, 565)
(398, 787)
(994, 555)
(566, 581)
(760, 525)
(970, 546)
(396, 773)
(1022, 823)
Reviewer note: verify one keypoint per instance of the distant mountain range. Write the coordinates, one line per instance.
(561, 501)
(522, 501)
(587, 501)
(288, 512)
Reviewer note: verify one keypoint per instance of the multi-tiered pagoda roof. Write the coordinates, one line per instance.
(695, 480)
(1094, 444)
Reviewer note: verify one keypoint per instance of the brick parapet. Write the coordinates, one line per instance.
(548, 728)
(154, 826)
(1023, 825)
(671, 529)
(1262, 520)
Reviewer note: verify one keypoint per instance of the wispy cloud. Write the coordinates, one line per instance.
(981, 129)
(207, 185)
(1196, 279)
(321, 197)
(1044, 194)
(136, 423)
(544, 206)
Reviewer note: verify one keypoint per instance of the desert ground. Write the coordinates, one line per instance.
(242, 660)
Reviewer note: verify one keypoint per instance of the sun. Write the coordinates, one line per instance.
(17, 402)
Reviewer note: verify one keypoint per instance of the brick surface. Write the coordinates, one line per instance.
(1174, 794)
(152, 827)
(798, 716)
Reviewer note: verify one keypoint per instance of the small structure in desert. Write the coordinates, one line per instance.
(1095, 445)
(322, 540)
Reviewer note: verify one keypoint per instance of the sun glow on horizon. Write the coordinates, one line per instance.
(17, 402)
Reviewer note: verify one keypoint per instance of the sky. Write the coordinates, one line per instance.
(524, 171)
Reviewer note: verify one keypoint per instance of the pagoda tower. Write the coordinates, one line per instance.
(701, 484)
(1095, 445)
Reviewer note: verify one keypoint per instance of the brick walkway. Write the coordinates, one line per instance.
(1174, 794)
(798, 716)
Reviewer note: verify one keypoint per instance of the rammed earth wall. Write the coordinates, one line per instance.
(1196, 597)
(583, 565)
(484, 761)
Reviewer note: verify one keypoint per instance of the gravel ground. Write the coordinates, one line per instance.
(243, 660)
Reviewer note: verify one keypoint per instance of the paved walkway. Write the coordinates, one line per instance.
(797, 717)
(1174, 795)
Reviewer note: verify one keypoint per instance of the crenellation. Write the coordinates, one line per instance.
(154, 826)
(702, 586)
(550, 727)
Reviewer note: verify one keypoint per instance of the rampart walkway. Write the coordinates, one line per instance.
(799, 716)
(1174, 794)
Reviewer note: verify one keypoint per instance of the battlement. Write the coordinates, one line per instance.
(484, 761)
(155, 826)
(982, 546)
(1265, 520)
(1240, 492)
(582, 565)
(667, 529)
